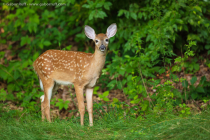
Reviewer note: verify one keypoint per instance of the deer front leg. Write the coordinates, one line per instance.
(89, 98)
(81, 105)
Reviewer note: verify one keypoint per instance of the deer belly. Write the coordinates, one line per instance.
(63, 82)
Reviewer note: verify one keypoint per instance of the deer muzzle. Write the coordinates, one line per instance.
(102, 48)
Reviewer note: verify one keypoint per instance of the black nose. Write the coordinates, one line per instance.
(102, 48)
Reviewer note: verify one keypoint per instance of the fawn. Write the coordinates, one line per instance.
(56, 67)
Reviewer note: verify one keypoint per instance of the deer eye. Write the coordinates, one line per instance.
(96, 41)
(107, 40)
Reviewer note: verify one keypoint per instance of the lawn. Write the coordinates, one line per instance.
(28, 125)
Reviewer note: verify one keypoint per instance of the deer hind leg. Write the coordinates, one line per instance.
(81, 105)
(89, 98)
(48, 85)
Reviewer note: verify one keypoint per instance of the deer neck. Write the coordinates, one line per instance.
(98, 61)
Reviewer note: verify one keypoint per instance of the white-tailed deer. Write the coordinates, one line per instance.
(56, 67)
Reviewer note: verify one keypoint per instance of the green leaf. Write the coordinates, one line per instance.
(194, 95)
(203, 79)
(101, 14)
(60, 100)
(193, 80)
(11, 87)
(129, 78)
(135, 97)
(112, 84)
(140, 15)
(200, 89)
(67, 102)
(60, 105)
(127, 56)
(25, 40)
(162, 70)
(119, 85)
(176, 68)
(65, 106)
(86, 6)
(106, 99)
(144, 105)
(99, 4)
(35, 56)
(126, 14)
(134, 16)
(115, 100)
(96, 88)
(100, 96)
(47, 43)
(207, 47)
(91, 15)
(196, 67)
(132, 102)
(208, 52)
(106, 93)
(185, 83)
(107, 5)
(122, 72)
(3, 95)
(198, 8)
(17, 74)
(120, 13)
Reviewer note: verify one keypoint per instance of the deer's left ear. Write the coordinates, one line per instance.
(111, 30)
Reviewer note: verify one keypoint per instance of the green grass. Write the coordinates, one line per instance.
(26, 125)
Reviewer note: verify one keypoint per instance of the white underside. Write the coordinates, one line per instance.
(63, 82)
(41, 85)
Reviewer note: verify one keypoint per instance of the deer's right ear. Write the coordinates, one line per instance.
(89, 32)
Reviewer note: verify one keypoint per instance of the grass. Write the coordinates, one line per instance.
(18, 125)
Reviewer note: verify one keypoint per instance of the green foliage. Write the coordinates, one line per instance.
(181, 62)
(104, 96)
(164, 100)
(150, 34)
(196, 92)
(62, 104)
(185, 111)
(96, 88)
(3, 95)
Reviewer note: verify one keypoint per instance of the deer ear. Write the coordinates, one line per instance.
(111, 30)
(89, 32)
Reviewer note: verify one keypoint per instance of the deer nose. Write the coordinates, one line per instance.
(102, 48)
